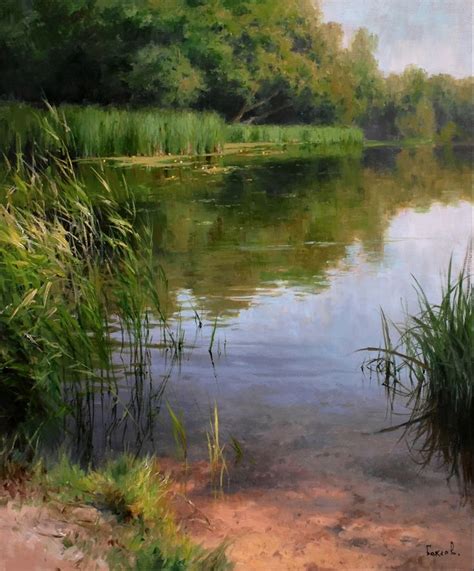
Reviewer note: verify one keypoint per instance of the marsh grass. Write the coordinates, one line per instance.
(77, 291)
(216, 451)
(301, 134)
(72, 267)
(213, 336)
(91, 131)
(429, 368)
(179, 433)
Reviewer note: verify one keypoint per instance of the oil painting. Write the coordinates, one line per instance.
(236, 318)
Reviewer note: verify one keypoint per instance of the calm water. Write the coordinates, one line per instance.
(291, 259)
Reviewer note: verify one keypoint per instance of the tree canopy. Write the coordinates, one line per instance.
(250, 60)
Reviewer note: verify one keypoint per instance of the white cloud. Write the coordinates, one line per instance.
(434, 34)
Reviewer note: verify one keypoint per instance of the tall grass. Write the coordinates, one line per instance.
(73, 267)
(302, 134)
(77, 285)
(430, 368)
(217, 459)
(91, 131)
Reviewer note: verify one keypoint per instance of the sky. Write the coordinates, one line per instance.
(433, 34)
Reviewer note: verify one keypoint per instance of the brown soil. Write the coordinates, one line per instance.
(342, 508)
(329, 511)
(51, 538)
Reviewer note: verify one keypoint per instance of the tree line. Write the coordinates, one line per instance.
(253, 61)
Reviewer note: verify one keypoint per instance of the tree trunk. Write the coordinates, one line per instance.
(267, 114)
(240, 114)
(248, 108)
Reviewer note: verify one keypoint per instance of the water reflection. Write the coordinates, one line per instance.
(294, 257)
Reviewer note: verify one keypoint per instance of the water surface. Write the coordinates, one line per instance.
(290, 259)
(282, 264)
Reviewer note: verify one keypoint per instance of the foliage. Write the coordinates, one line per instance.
(417, 105)
(95, 132)
(69, 260)
(137, 493)
(430, 368)
(253, 62)
(92, 131)
(294, 134)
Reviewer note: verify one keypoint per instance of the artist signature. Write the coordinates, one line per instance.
(430, 552)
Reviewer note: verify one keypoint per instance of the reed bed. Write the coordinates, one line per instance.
(91, 131)
(71, 263)
(299, 134)
(430, 369)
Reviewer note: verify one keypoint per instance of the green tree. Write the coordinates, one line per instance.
(420, 122)
(364, 73)
(164, 76)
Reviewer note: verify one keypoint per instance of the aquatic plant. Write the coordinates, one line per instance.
(430, 369)
(213, 335)
(179, 433)
(73, 267)
(92, 131)
(287, 134)
(217, 460)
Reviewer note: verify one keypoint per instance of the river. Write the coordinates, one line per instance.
(281, 263)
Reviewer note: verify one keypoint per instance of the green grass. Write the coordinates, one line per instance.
(430, 369)
(137, 493)
(69, 261)
(302, 134)
(90, 131)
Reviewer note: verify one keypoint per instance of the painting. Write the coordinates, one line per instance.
(236, 317)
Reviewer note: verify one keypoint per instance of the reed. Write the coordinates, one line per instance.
(217, 459)
(179, 433)
(70, 264)
(430, 368)
(91, 131)
(299, 134)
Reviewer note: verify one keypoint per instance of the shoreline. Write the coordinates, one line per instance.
(252, 150)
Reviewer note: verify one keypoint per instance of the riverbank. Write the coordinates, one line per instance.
(349, 505)
(119, 517)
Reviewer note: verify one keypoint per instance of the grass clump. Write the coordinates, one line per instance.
(430, 368)
(137, 494)
(92, 131)
(301, 134)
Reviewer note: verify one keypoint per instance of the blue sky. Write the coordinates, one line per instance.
(433, 34)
